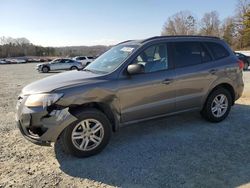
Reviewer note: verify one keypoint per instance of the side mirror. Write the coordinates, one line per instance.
(135, 69)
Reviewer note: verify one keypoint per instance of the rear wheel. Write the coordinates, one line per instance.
(87, 136)
(217, 106)
(45, 69)
(73, 68)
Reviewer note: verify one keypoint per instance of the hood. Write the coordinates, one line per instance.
(60, 80)
(39, 64)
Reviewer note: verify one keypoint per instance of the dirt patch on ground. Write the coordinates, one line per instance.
(178, 151)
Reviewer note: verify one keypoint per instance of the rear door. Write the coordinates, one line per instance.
(192, 63)
(69, 63)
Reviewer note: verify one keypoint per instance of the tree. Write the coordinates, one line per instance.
(246, 30)
(181, 23)
(210, 24)
(228, 30)
(242, 7)
(22, 41)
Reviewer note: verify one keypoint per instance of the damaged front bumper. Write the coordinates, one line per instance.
(40, 125)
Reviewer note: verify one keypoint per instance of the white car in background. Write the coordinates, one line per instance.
(15, 60)
(2, 62)
(85, 60)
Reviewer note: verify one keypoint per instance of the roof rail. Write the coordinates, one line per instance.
(177, 36)
(124, 42)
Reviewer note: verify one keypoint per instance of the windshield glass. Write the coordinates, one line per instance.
(110, 60)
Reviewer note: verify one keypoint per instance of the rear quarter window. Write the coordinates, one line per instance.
(217, 50)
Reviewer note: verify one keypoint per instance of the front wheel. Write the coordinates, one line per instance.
(87, 136)
(45, 69)
(218, 105)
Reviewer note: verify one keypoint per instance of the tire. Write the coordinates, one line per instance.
(245, 66)
(210, 105)
(45, 69)
(74, 68)
(72, 144)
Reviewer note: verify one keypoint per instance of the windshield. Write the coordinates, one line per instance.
(110, 60)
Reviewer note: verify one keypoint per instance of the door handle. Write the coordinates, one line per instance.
(167, 81)
(213, 71)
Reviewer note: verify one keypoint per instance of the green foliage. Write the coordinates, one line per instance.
(229, 31)
(16, 49)
(246, 30)
(24, 49)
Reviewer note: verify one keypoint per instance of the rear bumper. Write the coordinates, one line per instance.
(239, 92)
(239, 88)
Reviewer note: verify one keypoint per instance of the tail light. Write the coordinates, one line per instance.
(241, 64)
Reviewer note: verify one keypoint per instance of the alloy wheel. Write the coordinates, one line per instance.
(87, 134)
(219, 105)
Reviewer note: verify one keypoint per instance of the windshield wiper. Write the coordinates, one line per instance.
(94, 71)
(88, 70)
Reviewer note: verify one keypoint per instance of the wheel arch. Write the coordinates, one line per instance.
(224, 85)
(104, 108)
(73, 66)
(46, 66)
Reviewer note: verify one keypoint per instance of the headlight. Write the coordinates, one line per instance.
(43, 100)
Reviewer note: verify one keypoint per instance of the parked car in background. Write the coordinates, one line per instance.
(244, 58)
(45, 59)
(59, 64)
(34, 59)
(3, 62)
(15, 60)
(85, 60)
(133, 81)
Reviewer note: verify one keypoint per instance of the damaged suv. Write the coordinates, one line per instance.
(134, 81)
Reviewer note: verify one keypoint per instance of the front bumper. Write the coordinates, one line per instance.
(39, 68)
(40, 126)
(29, 137)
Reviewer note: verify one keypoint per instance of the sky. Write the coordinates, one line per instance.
(94, 22)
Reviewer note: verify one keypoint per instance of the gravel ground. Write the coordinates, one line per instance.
(178, 151)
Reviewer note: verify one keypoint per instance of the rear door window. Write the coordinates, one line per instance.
(188, 53)
(69, 61)
(217, 50)
(206, 56)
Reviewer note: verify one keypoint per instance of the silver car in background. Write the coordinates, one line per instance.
(59, 64)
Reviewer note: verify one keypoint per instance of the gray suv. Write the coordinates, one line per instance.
(134, 81)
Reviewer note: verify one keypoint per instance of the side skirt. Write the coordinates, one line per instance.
(159, 116)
